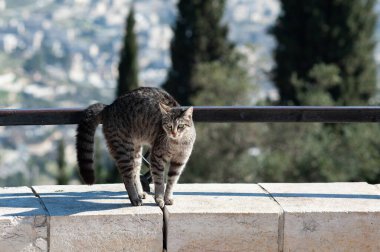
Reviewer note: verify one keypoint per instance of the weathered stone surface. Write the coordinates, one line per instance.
(222, 217)
(23, 221)
(100, 218)
(329, 216)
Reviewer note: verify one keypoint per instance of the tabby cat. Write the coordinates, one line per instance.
(144, 116)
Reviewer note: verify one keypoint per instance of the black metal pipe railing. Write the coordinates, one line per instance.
(287, 114)
(272, 114)
(215, 114)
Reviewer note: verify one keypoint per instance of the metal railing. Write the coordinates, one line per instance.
(215, 114)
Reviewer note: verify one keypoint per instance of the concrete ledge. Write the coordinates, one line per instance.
(204, 217)
(100, 218)
(222, 217)
(329, 216)
(23, 221)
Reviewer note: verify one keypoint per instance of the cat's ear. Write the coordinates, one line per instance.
(164, 108)
(188, 113)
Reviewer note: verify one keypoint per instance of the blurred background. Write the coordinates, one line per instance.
(72, 53)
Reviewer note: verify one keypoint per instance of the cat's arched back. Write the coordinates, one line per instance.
(145, 116)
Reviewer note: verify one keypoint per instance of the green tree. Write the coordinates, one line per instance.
(100, 168)
(35, 64)
(326, 32)
(222, 151)
(320, 78)
(62, 178)
(199, 37)
(324, 56)
(127, 81)
(206, 70)
(314, 153)
(128, 65)
(318, 152)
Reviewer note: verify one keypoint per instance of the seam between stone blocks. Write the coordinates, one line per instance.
(281, 221)
(165, 228)
(47, 215)
(165, 213)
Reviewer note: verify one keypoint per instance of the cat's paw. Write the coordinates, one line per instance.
(136, 202)
(169, 201)
(142, 195)
(160, 202)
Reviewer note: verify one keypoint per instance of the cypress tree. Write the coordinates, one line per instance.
(199, 37)
(100, 169)
(331, 32)
(206, 70)
(324, 56)
(127, 81)
(221, 152)
(62, 178)
(128, 66)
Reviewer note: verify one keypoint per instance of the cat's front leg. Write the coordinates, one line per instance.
(175, 170)
(157, 163)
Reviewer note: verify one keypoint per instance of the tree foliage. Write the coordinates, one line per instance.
(206, 70)
(199, 37)
(128, 65)
(336, 32)
(101, 172)
(324, 56)
(221, 152)
(315, 153)
(127, 81)
(318, 152)
(63, 177)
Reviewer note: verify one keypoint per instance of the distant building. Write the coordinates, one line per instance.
(10, 42)
(3, 5)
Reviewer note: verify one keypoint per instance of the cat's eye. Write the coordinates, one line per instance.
(181, 126)
(167, 126)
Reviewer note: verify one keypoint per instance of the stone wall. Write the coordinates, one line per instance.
(204, 217)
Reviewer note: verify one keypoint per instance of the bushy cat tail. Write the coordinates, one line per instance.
(91, 118)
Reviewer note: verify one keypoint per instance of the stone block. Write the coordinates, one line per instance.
(100, 218)
(221, 217)
(329, 216)
(23, 221)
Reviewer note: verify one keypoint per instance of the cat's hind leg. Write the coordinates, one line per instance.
(123, 151)
(126, 164)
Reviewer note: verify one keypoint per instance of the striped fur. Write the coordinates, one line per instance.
(141, 117)
(85, 141)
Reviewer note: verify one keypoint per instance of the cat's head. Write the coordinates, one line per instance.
(176, 122)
